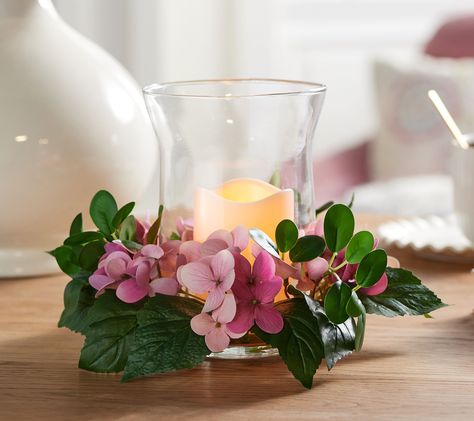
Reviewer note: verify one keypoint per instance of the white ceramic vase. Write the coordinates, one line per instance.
(72, 121)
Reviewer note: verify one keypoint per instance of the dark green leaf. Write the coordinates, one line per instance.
(79, 297)
(335, 302)
(354, 307)
(102, 210)
(338, 227)
(405, 296)
(76, 226)
(299, 343)
(83, 238)
(307, 248)
(338, 340)
(66, 260)
(371, 268)
(110, 333)
(128, 229)
(164, 340)
(154, 230)
(286, 235)
(264, 241)
(360, 245)
(90, 255)
(351, 202)
(122, 213)
(360, 331)
(322, 208)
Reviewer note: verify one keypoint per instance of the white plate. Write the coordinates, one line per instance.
(433, 237)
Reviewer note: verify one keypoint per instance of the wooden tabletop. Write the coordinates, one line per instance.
(410, 368)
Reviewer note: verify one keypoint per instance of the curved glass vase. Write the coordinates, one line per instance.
(235, 152)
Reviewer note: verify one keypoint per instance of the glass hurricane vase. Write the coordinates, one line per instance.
(235, 152)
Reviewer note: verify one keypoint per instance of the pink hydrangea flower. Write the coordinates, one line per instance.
(215, 326)
(185, 229)
(255, 290)
(214, 275)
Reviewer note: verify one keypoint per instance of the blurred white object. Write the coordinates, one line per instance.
(463, 177)
(406, 196)
(412, 139)
(434, 237)
(72, 121)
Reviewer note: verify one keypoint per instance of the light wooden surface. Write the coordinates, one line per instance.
(410, 368)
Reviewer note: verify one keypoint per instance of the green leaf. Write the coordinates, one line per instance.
(371, 268)
(299, 343)
(351, 202)
(164, 340)
(76, 226)
(175, 236)
(360, 331)
(79, 297)
(338, 340)
(336, 301)
(405, 296)
(122, 213)
(102, 210)
(322, 208)
(132, 245)
(307, 248)
(360, 245)
(83, 238)
(128, 229)
(66, 260)
(264, 241)
(90, 254)
(152, 234)
(109, 335)
(286, 235)
(338, 227)
(354, 306)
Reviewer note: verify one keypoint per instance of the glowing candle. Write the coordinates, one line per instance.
(243, 201)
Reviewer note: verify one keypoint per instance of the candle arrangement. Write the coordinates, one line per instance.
(238, 262)
(149, 304)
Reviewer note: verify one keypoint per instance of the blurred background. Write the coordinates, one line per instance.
(378, 133)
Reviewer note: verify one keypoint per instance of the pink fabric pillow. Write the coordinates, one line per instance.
(454, 39)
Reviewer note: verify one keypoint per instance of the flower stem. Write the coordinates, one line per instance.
(344, 263)
(331, 261)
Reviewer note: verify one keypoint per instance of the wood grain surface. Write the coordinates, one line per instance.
(410, 368)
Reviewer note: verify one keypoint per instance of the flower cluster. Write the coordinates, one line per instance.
(165, 303)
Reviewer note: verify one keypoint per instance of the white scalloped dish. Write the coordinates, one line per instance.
(432, 237)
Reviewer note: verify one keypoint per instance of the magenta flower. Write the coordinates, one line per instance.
(255, 290)
(214, 275)
(215, 327)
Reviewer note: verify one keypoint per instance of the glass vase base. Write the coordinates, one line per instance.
(245, 353)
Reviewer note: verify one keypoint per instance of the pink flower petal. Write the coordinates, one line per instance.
(243, 319)
(115, 268)
(268, 318)
(315, 228)
(99, 282)
(213, 300)
(212, 246)
(143, 275)
(226, 312)
(240, 236)
(196, 276)
(217, 339)
(202, 324)
(222, 264)
(266, 291)
(242, 268)
(242, 290)
(305, 284)
(233, 335)
(165, 286)
(129, 292)
(348, 272)
(284, 270)
(114, 246)
(153, 251)
(191, 249)
(378, 288)
(224, 236)
(263, 267)
(316, 268)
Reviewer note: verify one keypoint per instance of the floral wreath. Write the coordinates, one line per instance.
(147, 304)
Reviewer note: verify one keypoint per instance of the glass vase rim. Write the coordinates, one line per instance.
(306, 88)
